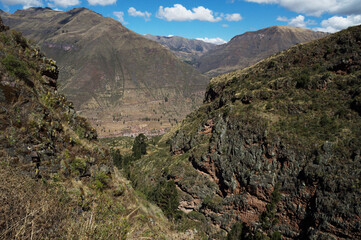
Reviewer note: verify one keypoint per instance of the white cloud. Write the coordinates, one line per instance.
(282, 19)
(217, 40)
(337, 23)
(63, 3)
(317, 7)
(120, 17)
(298, 21)
(180, 13)
(134, 13)
(235, 17)
(101, 2)
(225, 25)
(24, 3)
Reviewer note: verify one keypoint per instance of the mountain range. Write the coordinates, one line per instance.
(118, 79)
(272, 153)
(246, 49)
(188, 50)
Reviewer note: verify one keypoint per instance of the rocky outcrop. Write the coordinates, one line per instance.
(270, 149)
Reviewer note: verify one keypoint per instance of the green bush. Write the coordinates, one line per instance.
(165, 195)
(18, 37)
(78, 165)
(117, 159)
(268, 218)
(101, 181)
(15, 67)
(236, 232)
(302, 80)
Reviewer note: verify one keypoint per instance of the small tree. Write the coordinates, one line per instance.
(139, 146)
(117, 159)
(165, 195)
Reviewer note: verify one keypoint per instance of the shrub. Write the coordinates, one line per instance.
(268, 218)
(78, 165)
(15, 67)
(165, 195)
(117, 159)
(18, 37)
(236, 232)
(303, 80)
(101, 181)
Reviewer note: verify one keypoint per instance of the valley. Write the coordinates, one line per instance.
(131, 79)
(106, 133)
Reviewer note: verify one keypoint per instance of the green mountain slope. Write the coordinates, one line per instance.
(247, 49)
(112, 74)
(274, 149)
(56, 179)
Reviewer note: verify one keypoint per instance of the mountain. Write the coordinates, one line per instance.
(57, 180)
(188, 50)
(121, 81)
(274, 151)
(251, 47)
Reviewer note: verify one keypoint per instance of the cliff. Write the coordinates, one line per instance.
(274, 149)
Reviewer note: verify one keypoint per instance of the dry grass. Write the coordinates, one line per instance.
(29, 209)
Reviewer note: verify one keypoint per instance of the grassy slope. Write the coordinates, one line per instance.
(77, 194)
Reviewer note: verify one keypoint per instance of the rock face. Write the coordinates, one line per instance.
(112, 74)
(188, 50)
(276, 146)
(247, 49)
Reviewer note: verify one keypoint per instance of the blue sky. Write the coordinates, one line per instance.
(212, 20)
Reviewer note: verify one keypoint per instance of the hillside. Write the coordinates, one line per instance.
(274, 150)
(247, 49)
(188, 50)
(57, 180)
(121, 81)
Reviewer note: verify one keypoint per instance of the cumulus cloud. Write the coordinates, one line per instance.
(24, 3)
(337, 23)
(120, 17)
(63, 3)
(217, 40)
(235, 17)
(134, 13)
(282, 19)
(180, 13)
(317, 8)
(101, 2)
(298, 21)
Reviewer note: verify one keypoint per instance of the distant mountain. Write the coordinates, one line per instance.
(188, 50)
(112, 74)
(251, 47)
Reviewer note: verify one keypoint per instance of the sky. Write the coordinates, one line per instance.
(215, 21)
